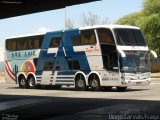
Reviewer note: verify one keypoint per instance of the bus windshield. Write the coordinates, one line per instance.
(132, 37)
(136, 61)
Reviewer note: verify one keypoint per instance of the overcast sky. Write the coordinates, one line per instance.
(54, 20)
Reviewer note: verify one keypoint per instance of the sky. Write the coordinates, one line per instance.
(54, 20)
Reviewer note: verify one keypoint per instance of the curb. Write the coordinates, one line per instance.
(155, 76)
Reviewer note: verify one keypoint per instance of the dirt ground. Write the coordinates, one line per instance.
(155, 75)
(2, 78)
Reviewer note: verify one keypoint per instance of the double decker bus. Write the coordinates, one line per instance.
(100, 56)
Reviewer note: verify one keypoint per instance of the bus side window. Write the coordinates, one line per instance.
(30, 44)
(21, 44)
(105, 36)
(55, 42)
(76, 41)
(74, 65)
(13, 44)
(48, 66)
(37, 41)
(88, 37)
(36, 44)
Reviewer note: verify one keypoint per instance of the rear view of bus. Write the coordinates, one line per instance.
(101, 56)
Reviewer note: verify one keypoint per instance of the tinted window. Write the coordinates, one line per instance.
(48, 66)
(76, 40)
(86, 37)
(55, 42)
(105, 36)
(21, 44)
(73, 65)
(11, 45)
(24, 43)
(129, 37)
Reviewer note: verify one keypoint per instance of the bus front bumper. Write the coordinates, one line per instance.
(136, 82)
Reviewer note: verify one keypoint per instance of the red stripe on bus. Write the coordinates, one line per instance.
(9, 68)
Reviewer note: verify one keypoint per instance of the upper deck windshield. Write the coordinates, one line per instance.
(136, 61)
(133, 37)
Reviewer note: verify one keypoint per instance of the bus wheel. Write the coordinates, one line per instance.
(95, 84)
(80, 83)
(121, 88)
(23, 82)
(31, 83)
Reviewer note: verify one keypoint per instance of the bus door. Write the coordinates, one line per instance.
(109, 54)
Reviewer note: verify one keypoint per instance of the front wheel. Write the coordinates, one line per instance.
(121, 88)
(95, 85)
(31, 83)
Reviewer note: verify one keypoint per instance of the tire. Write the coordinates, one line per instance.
(32, 83)
(80, 84)
(95, 84)
(121, 88)
(23, 82)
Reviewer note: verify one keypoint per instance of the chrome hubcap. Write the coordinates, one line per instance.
(94, 83)
(22, 81)
(80, 83)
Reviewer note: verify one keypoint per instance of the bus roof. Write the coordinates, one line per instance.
(111, 26)
(82, 28)
(27, 35)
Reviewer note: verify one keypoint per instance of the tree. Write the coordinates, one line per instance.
(148, 19)
(87, 19)
(151, 7)
(90, 19)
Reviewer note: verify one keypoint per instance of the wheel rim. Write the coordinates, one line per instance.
(22, 82)
(80, 83)
(31, 82)
(94, 83)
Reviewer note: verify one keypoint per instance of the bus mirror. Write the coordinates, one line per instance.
(155, 56)
(123, 55)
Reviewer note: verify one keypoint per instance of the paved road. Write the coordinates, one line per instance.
(68, 104)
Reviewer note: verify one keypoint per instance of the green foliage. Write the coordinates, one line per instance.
(130, 19)
(151, 7)
(148, 20)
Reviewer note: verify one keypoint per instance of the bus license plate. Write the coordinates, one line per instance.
(138, 83)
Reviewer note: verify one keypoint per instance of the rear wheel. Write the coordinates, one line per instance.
(31, 83)
(95, 84)
(23, 82)
(80, 83)
(121, 88)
